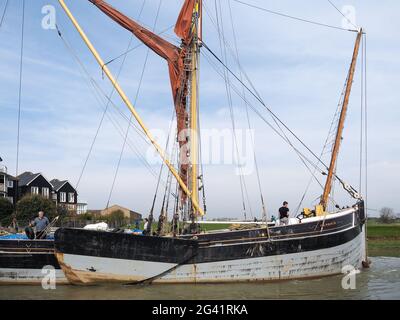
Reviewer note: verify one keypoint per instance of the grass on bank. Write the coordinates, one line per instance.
(383, 239)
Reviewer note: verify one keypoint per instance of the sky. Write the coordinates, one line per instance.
(298, 68)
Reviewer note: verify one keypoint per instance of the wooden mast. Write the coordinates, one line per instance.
(194, 132)
(335, 151)
(130, 106)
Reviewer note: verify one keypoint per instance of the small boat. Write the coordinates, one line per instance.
(24, 261)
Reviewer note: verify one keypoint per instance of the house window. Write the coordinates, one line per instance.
(45, 192)
(35, 190)
(10, 184)
(71, 197)
(2, 179)
(10, 199)
(63, 197)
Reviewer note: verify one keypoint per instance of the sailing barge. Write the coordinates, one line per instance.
(318, 244)
(314, 248)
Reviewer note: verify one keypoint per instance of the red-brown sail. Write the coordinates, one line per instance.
(175, 57)
(184, 22)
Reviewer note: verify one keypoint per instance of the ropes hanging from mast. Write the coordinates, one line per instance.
(4, 13)
(263, 207)
(243, 187)
(334, 121)
(361, 115)
(151, 216)
(319, 160)
(254, 93)
(238, 92)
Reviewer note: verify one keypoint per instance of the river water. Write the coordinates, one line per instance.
(381, 281)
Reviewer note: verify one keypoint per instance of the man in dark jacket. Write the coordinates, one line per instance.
(284, 214)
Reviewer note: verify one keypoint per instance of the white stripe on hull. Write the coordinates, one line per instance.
(28, 276)
(308, 264)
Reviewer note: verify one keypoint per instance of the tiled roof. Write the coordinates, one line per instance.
(57, 184)
(26, 177)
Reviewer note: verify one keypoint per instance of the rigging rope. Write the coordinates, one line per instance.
(335, 119)
(361, 116)
(366, 143)
(282, 134)
(99, 93)
(254, 93)
(292, 17)
(107, 105)
(268, 109)
(202, 174)
(127, 132)
(162, 166)
(260, 115)
(135, 101)
(264, 212)
(137, 46)
(20, 87)
(4, 13)
(242, 181)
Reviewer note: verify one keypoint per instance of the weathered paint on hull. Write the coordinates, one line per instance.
(300, 265)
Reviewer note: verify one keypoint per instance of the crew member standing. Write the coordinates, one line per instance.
(284, 214)
(41, 222)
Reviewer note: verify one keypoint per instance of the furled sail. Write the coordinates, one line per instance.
(184, 23)
(175, 57)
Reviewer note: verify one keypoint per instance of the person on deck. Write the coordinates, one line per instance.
(40, 222)
(146, 223)
(14, 224)
(284, 214)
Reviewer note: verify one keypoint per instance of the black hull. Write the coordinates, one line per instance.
(23, 260)
(208, 247)
(75, 247)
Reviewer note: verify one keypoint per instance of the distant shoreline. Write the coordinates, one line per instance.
(383, 239)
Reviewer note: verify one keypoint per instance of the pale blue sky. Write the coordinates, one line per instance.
(298, 68)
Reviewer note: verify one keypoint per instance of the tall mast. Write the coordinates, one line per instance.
(130, 106)
(194, 106)
(335, 151)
